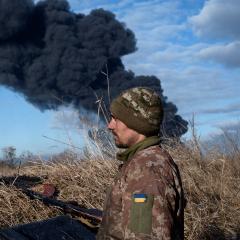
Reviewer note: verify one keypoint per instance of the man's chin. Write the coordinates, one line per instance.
(119, 144)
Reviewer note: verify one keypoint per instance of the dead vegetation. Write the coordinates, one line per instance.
(212, 187)
(211, 182)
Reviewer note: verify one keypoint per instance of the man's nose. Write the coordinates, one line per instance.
(111, 124)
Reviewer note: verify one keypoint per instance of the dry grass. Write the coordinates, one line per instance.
(212, 188)
(211, 183)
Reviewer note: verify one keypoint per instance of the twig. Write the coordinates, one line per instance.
(61, 142)
(15, 179)
(108, 83)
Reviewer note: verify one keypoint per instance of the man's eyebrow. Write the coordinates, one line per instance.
(112, 116)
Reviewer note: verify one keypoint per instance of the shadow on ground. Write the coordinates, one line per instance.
(215, 233)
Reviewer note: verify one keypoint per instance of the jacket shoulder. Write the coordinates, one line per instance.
(155, 160)
(153, 156)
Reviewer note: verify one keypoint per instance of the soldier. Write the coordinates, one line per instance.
(146, 199)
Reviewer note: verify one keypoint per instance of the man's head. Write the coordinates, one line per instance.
(136, 113)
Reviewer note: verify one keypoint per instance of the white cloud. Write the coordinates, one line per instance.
(233, 124)
(218, 19)
(172, 56)
(223, 110)
(228, 54)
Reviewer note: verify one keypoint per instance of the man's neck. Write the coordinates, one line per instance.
(138, 139)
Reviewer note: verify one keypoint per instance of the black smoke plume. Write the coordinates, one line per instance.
(53, 56)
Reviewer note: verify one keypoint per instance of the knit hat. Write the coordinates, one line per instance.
(140, 109)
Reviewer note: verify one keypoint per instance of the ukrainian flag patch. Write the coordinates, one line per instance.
(140, 197)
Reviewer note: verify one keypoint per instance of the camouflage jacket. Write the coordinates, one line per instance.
(146, 199)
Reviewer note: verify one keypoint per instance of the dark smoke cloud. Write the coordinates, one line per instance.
(54, 56)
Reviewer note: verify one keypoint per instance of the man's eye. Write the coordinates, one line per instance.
(114, 118)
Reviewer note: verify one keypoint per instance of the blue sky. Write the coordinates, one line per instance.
(192, 46)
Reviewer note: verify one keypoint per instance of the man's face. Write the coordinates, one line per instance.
(124, 137)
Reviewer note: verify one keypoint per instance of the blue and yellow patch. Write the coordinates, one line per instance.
(140, 197)
(141, 213)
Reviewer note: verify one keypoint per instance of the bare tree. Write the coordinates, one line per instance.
(9, 155)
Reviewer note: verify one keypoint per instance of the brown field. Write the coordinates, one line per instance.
(211, 183)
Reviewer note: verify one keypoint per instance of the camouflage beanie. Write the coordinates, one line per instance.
(140, 109)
